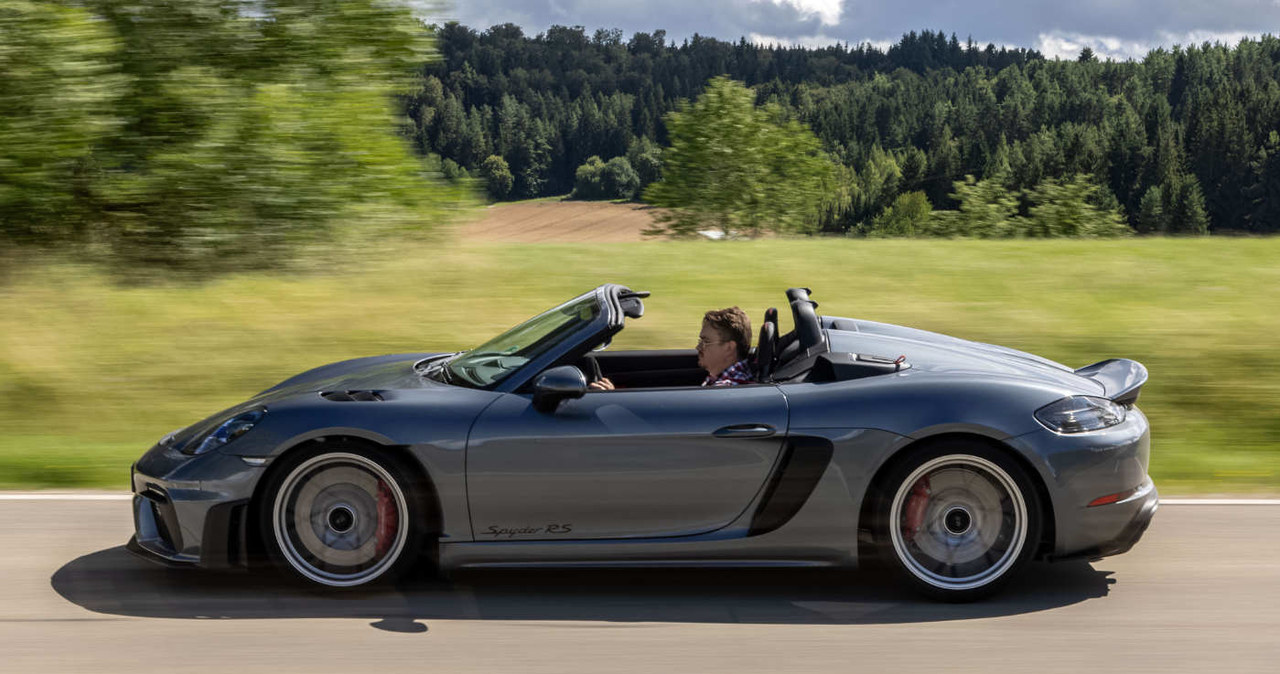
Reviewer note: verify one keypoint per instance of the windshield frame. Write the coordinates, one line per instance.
(546, 348)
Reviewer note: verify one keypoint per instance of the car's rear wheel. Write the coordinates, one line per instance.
(342, 515)
(958, 520)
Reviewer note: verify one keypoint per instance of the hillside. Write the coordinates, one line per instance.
(1182, 141)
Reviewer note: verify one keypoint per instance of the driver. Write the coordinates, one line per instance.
(723, 345)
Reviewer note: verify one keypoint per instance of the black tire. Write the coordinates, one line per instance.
(343, 515)
(956, 520)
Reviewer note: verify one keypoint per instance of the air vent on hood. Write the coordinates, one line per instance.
(352, 396)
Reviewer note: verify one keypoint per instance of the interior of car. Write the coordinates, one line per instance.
(774, 357)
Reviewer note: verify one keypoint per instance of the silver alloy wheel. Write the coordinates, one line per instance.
(958, 522)
(340, 519)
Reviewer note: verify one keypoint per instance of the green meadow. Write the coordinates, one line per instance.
(92, 373)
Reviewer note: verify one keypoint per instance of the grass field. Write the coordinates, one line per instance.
(91, 374)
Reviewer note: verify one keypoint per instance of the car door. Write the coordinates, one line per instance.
(623, 463)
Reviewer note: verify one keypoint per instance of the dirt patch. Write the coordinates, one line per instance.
(561, 222)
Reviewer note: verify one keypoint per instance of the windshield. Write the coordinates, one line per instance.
(497, 358)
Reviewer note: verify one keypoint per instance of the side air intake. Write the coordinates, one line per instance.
(352, 396)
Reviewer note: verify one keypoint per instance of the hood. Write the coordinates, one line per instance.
(394, 371)
(391, 372)
(933, 352)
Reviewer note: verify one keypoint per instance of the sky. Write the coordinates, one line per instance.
(1117, 29)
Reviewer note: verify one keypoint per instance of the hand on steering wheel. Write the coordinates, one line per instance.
(596, 374)
(598, 381)
(601, 384)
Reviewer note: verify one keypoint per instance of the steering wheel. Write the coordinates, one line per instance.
(596, 374)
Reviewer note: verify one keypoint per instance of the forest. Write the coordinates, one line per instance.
(178, 136)
(1183, 141)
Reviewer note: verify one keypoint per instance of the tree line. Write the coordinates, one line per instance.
(1183, 141)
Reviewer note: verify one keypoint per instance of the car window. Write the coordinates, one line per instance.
(501, 356)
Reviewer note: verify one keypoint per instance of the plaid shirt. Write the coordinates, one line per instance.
(738, 373)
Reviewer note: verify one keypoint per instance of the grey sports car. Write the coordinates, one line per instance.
(953, 462)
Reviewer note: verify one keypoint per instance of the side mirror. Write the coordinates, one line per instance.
(556, 385)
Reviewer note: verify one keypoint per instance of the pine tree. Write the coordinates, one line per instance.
(1151, 213)
(1188, 215)
(998, 165)
(1263, 188)
(944, 166)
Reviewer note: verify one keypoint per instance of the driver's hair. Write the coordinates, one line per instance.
(732, 323)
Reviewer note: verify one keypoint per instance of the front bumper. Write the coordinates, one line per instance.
(193, 510)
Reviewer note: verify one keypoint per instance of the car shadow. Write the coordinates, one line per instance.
(115, 582)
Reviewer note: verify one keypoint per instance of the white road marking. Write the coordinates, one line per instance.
(53, 496)
(41, 496)
(1220, 501)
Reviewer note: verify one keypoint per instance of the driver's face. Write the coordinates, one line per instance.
(715, 353)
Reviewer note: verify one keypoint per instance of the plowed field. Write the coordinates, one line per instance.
(560, 222)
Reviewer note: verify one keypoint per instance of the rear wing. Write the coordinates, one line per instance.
(1121, 378)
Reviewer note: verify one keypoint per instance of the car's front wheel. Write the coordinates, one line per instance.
(958, 520)
(342, 515)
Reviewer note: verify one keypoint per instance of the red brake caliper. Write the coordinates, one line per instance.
(388, 519)
(916, 503)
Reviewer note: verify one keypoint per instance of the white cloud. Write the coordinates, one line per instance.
(810, 41)
(820, 40)
(828, 11)
(1232, 37)
(1117, 29)
(1067, 45)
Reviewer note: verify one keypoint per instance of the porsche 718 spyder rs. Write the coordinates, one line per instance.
(952, 461)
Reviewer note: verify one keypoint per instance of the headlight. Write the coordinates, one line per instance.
(230, 430)
(1080, 414)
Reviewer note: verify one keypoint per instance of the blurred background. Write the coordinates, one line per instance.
(199, 198)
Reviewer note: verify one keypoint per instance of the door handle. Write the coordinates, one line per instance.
(745, 431)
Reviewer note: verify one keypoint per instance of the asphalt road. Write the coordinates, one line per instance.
(1200, 593)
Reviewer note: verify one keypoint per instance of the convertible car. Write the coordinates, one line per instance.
(953, 462)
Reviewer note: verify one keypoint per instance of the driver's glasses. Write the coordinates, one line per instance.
(704, 343)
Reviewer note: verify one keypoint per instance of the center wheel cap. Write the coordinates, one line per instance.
(957, 520)
(341, 518)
